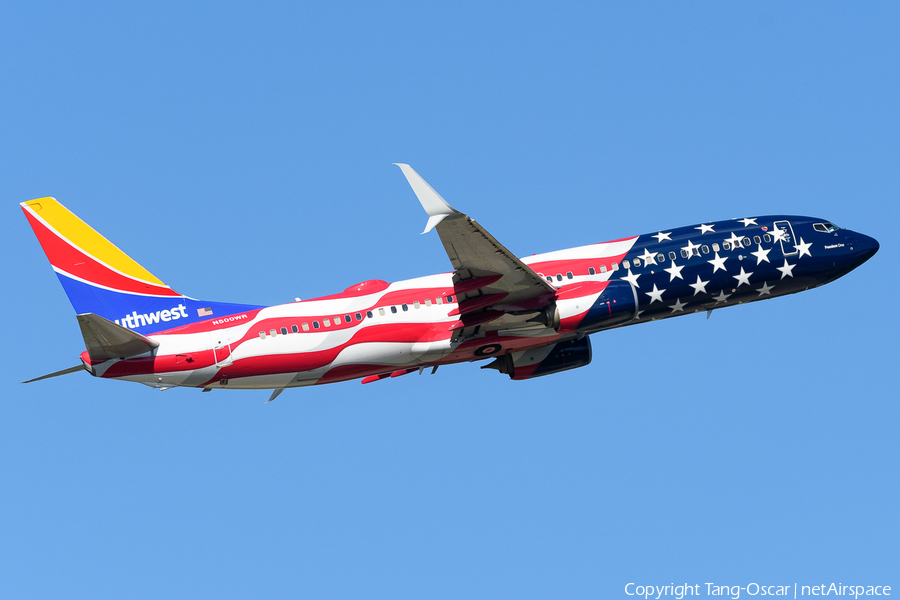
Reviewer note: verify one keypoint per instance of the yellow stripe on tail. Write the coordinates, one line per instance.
(81, 235)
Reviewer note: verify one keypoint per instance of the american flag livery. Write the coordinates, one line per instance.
(528, 317)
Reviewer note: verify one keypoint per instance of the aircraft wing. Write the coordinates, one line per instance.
(488, 276)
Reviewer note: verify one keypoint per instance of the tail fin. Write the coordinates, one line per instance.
(101, 279)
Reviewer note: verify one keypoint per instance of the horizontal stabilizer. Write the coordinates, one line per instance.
(105, 340)
(58, 373)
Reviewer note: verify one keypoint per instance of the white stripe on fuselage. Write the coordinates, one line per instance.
(399, 354)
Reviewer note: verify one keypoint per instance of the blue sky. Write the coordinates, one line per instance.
(243, 153)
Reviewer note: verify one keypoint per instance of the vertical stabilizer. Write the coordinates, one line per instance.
(101, 279)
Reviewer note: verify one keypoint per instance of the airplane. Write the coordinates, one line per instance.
(531, 316)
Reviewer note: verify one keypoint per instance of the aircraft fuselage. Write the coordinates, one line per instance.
(376, 330)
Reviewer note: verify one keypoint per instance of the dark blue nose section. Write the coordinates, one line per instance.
(864, 247)
(854, 250)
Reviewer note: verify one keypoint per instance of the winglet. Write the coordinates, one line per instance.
(436, 207)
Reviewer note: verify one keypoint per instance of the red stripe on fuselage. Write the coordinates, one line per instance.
(404, 333)
(167, 363)
(270, 364)
(349, 372)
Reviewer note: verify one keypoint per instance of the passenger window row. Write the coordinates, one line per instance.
(327, 321)
(416, 305)
(661, 258)
(591, 270)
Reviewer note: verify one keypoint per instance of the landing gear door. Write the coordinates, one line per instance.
(787, 238)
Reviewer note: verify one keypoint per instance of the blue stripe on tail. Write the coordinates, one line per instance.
(145, 314)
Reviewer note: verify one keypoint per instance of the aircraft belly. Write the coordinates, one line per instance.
(199, 376)
(392, 353)
(256, 382)
(193, 378)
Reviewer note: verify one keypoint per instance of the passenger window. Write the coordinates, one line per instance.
(726, 245)
(295, 329)
(272, 332)
(347, 318)
(326, 322)
(550, 279)
(381, 311)
(603, 268)
(671, 255)
(284, 331)
(615, 266)
(305, 326)
(592, 271)
(315, 324)
(660, 258)
(439, 300)
(450, 299)
(756, 239)
(358, 317)
(746, 242)
(715, 247)
(369, 314)
(394, 309)
(696, 251)
(627, 265)
(637, 263)
(405, 307)
(262, 335)
(559, 276)
(427, 301)
(704, 249)
(684, 253)
(416, 304)
(569, 275)
(767, 238)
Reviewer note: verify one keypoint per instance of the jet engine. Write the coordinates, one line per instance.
(546, 360)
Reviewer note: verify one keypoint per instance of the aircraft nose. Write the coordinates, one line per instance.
(865, 247)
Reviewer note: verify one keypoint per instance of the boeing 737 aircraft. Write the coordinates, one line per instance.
(530, 316)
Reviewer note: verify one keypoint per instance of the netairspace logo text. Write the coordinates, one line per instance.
(754, 589)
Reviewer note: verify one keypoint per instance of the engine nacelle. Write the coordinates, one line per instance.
(616, 305)
(546, 360)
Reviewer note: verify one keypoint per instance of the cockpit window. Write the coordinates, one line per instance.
(825, 227)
